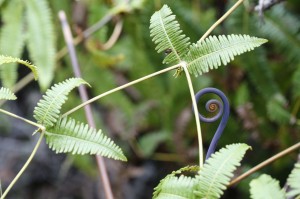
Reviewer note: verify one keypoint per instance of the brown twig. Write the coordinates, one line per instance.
(84, 97)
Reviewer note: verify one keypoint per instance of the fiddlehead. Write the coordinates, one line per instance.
(212, 106)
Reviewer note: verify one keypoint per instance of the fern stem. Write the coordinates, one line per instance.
(220, 20)
(114, 36)
(120, 88)
(188, 77)
(23, 119)
(24, 166)
(265, 163)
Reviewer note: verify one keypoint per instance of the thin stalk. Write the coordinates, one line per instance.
(120, 88)
(220, 20)
(23, 119)
(200, 142)
(24, 166)
(114, 36)
(265, 163)
(84, 97)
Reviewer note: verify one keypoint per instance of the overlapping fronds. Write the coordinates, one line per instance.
(218, 170)
(11, 39)
(6, 94)
(78, 138)
(168, 37)
(265, 187)
(214, 51)
(181, 187)
(8, 59)
(41, 42)
(294, 182)
(48, 108)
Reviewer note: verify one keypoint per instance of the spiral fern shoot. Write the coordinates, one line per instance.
(266, 187)
(293, 182)
(6, 94)
(168, 37)
(8, 59)
(48, 108)
(215, 51)
(78, 138)
(218, 170)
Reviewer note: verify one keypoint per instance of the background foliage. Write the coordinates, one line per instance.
(151, 121)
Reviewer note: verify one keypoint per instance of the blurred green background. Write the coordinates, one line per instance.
(151, 121)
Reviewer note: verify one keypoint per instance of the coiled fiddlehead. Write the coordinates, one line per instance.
(212, 106)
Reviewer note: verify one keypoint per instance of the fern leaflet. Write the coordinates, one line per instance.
(78, 138)
(48, 108)
(265, 187)
(214, 51)
(6, 94)
(218, 170)
(166, 34)
(293, 182)
(8, 59)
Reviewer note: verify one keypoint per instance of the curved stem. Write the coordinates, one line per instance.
(114, 36)
(24, 166)
(23, 119)
(120, 88)
(221, 20)
(265, 163)
(184, 66)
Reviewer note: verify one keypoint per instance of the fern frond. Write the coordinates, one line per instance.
(265, 187)
(294, 182)
(8, 59)
(181, 187)
(78, 138)
(276, 110)
(166, 34)
(218, 170)
(48, 108)
(6, 94)
(41, 42)
(214, 51)
(11, 39)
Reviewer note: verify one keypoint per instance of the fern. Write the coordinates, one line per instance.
(214, 51)
(218, 170)
(6, 94)
(265, 187)
(294, 182)
(181, 187)
(276, 110)
(166, 33)
(41, 39)
(296, 83)
(48, 108)
(8, 59)
(11, 39)
(78, 138)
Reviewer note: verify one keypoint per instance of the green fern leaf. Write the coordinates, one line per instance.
(6, 94)
(166, 33)
(41, 42)
(8, 59)
(214, 51)
(294, 182)
(78, 138)
(48, 108)
(11, 39)
(276, 110)
(173, 187)
(265, 187)
(218, 170)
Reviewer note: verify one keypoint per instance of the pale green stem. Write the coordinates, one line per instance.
(188, 77)
(23, 119)
(120, 88)
(220, 20)
(24, 166)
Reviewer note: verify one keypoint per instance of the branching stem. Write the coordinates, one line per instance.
(188, 77)
(265, 163)
(24, 166)
(120, 88)
(220, 20)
